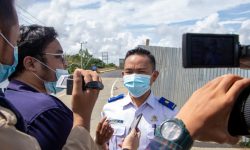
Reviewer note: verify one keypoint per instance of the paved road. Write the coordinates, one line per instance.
(112, 74)
(114, 85)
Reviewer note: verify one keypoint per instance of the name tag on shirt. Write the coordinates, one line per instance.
(115, 121)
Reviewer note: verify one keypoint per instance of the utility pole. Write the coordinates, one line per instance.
(105, 57)
(81, 50)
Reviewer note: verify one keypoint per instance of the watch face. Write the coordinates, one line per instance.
(171, 130)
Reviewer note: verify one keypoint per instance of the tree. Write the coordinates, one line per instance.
(73, 62)
(110, 65)
(83, 60)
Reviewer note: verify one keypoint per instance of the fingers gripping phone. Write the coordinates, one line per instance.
(135, 122)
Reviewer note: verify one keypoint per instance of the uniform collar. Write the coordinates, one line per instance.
(20, 86)
(151, 101)
(127, 101)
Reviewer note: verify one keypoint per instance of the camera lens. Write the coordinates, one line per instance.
(247, 112)
(239, 120)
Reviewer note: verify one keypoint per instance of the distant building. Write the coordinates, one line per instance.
(176, 83)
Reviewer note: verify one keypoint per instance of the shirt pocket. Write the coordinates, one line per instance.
(118, 135)
(119, 131)
(150, 134)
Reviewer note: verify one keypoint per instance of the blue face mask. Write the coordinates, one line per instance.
(137, 84)
(7, 70)
(51, 86)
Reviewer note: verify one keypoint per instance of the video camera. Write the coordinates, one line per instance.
(220, 50)
(66, 82)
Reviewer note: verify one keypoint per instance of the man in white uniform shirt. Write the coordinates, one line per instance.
(138, 76)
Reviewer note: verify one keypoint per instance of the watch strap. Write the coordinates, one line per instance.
(186, 141)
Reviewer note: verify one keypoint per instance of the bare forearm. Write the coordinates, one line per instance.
(83, 121)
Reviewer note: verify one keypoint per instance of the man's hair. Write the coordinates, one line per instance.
(141, 51)
(8, 16)
(33, 41)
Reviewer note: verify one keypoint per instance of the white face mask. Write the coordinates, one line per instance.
(7, 70)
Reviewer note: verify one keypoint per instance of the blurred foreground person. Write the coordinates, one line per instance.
(9, 32)
(203, 117)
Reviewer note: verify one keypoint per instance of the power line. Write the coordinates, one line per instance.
(105, 57)
(26, 21)
(22, 9)
(25, 18)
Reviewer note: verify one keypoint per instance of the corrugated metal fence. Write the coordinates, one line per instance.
(176, 83)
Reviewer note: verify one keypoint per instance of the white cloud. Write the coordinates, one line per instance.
(118, 26)
(171, 35)
(209, 25)
(244, 32)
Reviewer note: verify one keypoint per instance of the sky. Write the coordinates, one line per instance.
(116, 26)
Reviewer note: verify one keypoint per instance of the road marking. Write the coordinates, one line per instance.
(112, 88)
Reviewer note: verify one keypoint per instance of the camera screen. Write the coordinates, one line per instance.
(210, 50)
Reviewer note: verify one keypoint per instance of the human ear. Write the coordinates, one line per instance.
(29, 63)
(155, 75)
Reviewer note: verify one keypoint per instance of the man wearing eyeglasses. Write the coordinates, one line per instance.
(40, 64)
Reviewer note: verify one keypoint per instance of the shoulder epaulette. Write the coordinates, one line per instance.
(115, 98)
(169, 104)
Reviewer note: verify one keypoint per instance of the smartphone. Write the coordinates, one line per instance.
(135, 122)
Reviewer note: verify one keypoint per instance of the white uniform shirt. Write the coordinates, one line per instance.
(122, 112)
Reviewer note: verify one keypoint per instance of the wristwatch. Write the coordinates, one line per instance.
(174, 131)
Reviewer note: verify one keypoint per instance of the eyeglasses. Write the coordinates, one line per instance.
(61, 56)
